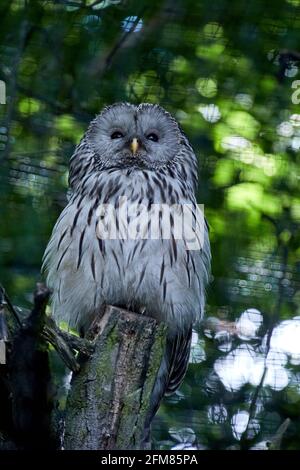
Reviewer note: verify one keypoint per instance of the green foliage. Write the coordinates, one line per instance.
(226, 71)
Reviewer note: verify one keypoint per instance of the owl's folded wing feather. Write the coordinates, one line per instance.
(179, 360)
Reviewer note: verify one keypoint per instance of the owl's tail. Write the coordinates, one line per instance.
(170, 375)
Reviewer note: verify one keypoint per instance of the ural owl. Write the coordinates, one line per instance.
(138, 153)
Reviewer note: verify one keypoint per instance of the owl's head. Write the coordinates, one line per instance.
(125, 135)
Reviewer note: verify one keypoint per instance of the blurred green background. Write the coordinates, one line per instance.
(229, 72)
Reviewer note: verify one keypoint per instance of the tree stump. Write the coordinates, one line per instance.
(113, 376)
(109, 398)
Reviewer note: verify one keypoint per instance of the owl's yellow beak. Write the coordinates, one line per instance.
(134, 145)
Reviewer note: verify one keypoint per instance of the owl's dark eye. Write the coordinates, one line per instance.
(152, 136)
(117, 135)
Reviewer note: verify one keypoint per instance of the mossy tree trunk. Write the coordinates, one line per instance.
(109, 399)
(113, 377)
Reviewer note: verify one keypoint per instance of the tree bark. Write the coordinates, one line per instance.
(109, 398)
(113, 376)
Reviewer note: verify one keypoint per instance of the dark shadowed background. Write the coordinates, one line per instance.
(229, 72)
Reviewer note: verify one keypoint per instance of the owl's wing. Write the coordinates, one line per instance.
(197, 264)
(170, 375)
(179, 360)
